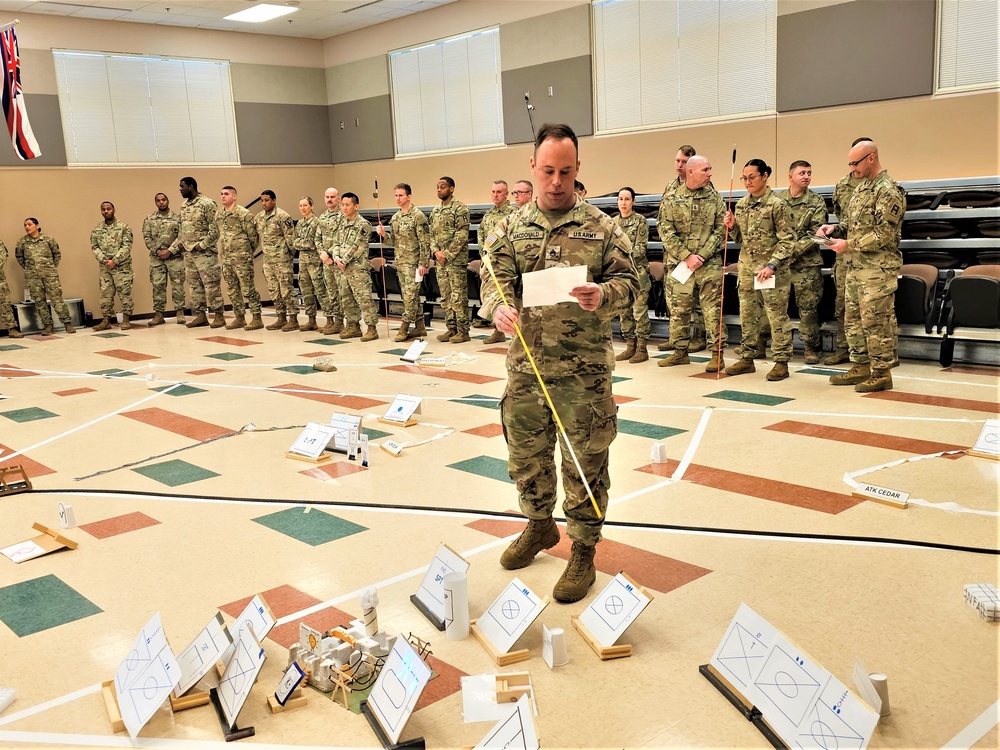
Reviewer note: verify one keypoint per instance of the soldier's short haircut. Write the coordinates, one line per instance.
(190, 181)
(269, 193)
(33, 220)
(500, 182)
(630, 191)
(351, 197)
(307, 199)
(760, 165)
(159, 194)
(556, 132)
(230, 188)
(109, 203)
(451, 182)
(404, 187)
(799, 163)
(526, 182)
(862, 139)
(688, 151)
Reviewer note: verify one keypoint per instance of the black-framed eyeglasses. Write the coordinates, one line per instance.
(853, 164)
(521, 192)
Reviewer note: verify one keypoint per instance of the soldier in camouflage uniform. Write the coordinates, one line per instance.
(198, 238)
(450, 247)
(698, 339)
(350, 253)
(277, 234)
(869, 241)
(523, 193)
(806, 213)
(312, 282)
(159, 230)
(7, 322)
(409, 235)
(237, 241)
(501, 208)
(635, 319)
(691, 229)
(571, 344)
(326, 234)
(39, 256)
(761, 224)
(111, 243)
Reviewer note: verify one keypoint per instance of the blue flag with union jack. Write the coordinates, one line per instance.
(14, 111)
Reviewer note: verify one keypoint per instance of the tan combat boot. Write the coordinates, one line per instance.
(497, 337)
(179, 317)
(629, 351)
(698, 346)
(446, 336)
(665, 346)
(240, 321)
(199, 320)
(255, 323)
(370, 334)
(126, 322)
(104, 325)
(68, 325)
(716, 363)
(13, 333)
(778, 372)
(837, 357)
(810, 356)
(741, 368)
(352, 331)
(292, 324)
(403, 333)
(460, 337)
(579, 575)
(641, 355)
(157, 319)
(537, 535)
(336, 325)
(419, 330)
(278, 323)
(309, 325)
(857, 374)
(881, 380)
(219, 320)
(49, 330)
(679, 357)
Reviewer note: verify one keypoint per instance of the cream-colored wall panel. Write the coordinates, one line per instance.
(567, 35)
(275, 84)
(360, 79)
(38, 71)
(797, 6)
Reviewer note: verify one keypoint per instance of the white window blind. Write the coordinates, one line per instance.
(968, 52)
(663, 62)
(446, 95)
(129, 109)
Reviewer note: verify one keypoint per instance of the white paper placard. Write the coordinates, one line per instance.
(866, 688)
(431, 591)
(884, 493)
(145, 676)
(150, 641)
(509, 615)
(681, 273)
(515, 731)
(614, 610)
(838, 719)
(241, 673)
(402, 408)
(552, 285)
(989, 438)
(22, 551)
(397, 688)
(768, 284)
(258, 616)
(204, 651)
(313, 439)
(416, 349)
(290, 680)
(343, 425)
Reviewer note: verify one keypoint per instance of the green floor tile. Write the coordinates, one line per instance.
(42, 603)
(485, 466)
(644, 429)
(175, 473)
(228, 356)
(27, 415)
(394, 352)
(478, 399)
(619, 379)
(824, 371)
(115, 372)
(314, 527)
(109, 335)
(749, 398)
(11, 347)
(179, 390)
(326, 342)
(375, 434)
(298, 369)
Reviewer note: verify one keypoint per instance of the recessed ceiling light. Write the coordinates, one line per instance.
(261, 13)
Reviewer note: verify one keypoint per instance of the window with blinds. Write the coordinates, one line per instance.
(131, 109)
(446, 94)
(968, 52)
(666, 62)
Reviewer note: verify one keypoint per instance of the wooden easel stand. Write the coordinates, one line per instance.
(417, 743)
(501, 659)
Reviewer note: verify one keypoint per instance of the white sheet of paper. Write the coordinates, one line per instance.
(515, 731)
(240, 675)
(257, 615)
(146, 646)
(614, 609)
(204, 650)
(838, 719)
(479, 699)
(789, 683)
(989, 438)
(290, 680)
(342, 425)
(398, 688)
(144, 696)
(431, 591)
(402, 408)
(313, 439)
(509, 615)
(758, 284)
(23, 551)
(552, 285)
(681, 273)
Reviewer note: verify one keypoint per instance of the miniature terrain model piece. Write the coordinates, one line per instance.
(609, 616)
(429, 598)
(516, 731)
(48, 541)
(13, 479)
(505, 620)
(401, 411)
(197, 659)
(396, 691)
(311, 444)
(790, 699)
(988, 443)
(67, 518)
(986, 600)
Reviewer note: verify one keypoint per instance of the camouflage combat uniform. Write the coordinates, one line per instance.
(635, 319)
(7, 322)
(806, 214)
(490, 219)
(326, 236)
(39, 257)
(409, 234)
(763, 227)
(312, 282)
(841, 201)
(114, 242)
(697, 333)
(237, 241)
(198, 236)
(450, 235)
(276, 233)
(872, 230)
(159, 232)
(355, 280)
(691, 223)
(573, 352)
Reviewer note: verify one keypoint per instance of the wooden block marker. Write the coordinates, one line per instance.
(111, 705)
(605, 652)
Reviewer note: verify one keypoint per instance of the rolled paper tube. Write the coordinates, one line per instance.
(559, 654)
(456, 606)
(881, 684)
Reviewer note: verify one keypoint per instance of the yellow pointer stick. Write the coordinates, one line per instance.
(548, 399)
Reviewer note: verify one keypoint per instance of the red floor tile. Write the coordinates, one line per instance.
(968, 404)
(73, 392)
(859, 437)
(334, 470)
(486, 431)
(178, 424)
(283, 600)
(709, 375)
(229, 341)
(809, 498)
(32, 468)
(118, 525)
(127, 355)
(624, 399)
(992, 371)
(9, 371)
(326, 397)
(441, 372)
(206, 371)
(448, 682)
(312, 355)
(648, 569)
(495, 350)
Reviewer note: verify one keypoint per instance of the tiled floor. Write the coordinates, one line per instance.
(187, 506)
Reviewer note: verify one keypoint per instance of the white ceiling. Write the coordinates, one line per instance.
(315, 19)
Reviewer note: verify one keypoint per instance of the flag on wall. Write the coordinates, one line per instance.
(14, 111)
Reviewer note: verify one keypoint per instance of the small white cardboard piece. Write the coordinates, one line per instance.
(552, 285)
(769, 284)
(515, 731)
(884, 493)
(510, 614)
(343, 425)
(866, 688)
(479, 699)
(416, 349)
(681, 273)
(26, 550)
(988, 441)
(431, 591)
(313, 439)
(67, 518)
(614, 610)
(402, 408)
(290, 680)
